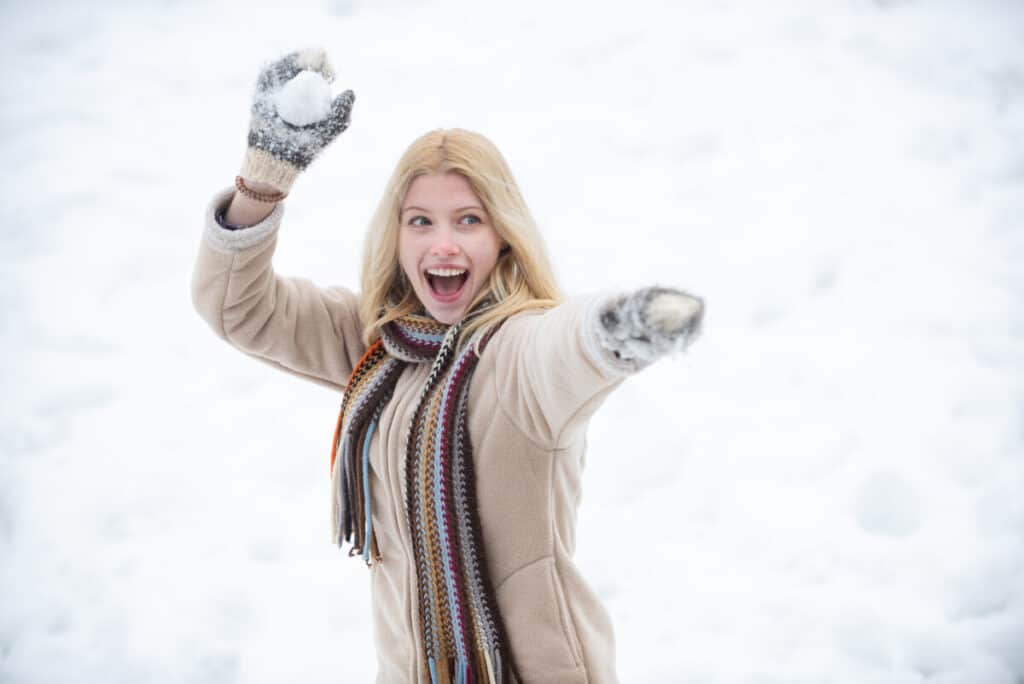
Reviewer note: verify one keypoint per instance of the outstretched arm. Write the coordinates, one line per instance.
(555, 368)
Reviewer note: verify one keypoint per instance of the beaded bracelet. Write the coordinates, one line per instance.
(269, 197)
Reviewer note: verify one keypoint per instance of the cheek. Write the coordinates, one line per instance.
(485, 248)
(406, 255)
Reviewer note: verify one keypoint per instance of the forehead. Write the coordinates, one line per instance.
(440, 191)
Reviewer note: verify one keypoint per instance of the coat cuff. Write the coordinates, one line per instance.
(228, 240)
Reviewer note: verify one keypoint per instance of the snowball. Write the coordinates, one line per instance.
(304, 100)
(671, 311)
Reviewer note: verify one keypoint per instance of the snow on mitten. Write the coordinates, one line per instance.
(293, 117)
(640, 327)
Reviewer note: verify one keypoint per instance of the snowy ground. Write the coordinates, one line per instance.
(829, 488)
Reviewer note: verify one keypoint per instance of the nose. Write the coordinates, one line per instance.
(445, 245)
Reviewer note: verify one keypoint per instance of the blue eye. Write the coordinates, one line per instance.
(476, 219)
(414, 219)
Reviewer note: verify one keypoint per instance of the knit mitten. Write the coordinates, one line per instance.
(640, 327)
(278, 151)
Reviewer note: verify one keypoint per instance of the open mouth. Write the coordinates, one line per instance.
(447, 287)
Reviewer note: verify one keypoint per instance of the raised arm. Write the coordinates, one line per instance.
(556, 368)
(289, 323)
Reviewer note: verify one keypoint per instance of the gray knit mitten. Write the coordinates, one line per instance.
(278, 150)
(640, 327)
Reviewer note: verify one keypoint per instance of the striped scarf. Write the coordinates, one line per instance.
(463, 636)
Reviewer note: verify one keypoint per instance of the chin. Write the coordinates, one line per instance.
(446, 317)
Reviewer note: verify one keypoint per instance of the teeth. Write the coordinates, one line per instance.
(446, 271)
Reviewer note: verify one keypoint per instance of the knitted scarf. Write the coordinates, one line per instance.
(464, 639)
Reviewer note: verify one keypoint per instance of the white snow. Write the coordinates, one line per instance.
(304, 100)
(827, 488)
(887, 505)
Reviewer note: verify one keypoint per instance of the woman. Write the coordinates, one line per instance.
(468, 385)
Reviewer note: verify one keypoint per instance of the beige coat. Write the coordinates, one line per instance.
(536, 385)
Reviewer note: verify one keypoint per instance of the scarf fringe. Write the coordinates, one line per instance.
(455, 670)
(351, 518)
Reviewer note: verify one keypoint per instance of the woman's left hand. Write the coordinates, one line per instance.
(673, 312)
(649, 323)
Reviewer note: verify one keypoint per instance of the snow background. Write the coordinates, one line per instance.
(828, 488)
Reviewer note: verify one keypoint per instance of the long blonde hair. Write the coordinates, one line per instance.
(522, 279)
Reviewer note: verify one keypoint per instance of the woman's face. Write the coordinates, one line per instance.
(447, 245)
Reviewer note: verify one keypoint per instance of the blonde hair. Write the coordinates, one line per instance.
(522, 278)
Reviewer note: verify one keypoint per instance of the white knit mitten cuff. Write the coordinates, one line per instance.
(259, 165)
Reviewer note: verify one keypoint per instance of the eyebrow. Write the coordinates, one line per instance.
(427, 211)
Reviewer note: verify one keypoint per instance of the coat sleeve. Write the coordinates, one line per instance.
(552, 373)
(289, 323)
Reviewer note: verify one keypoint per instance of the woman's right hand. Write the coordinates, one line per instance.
(278, 151)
